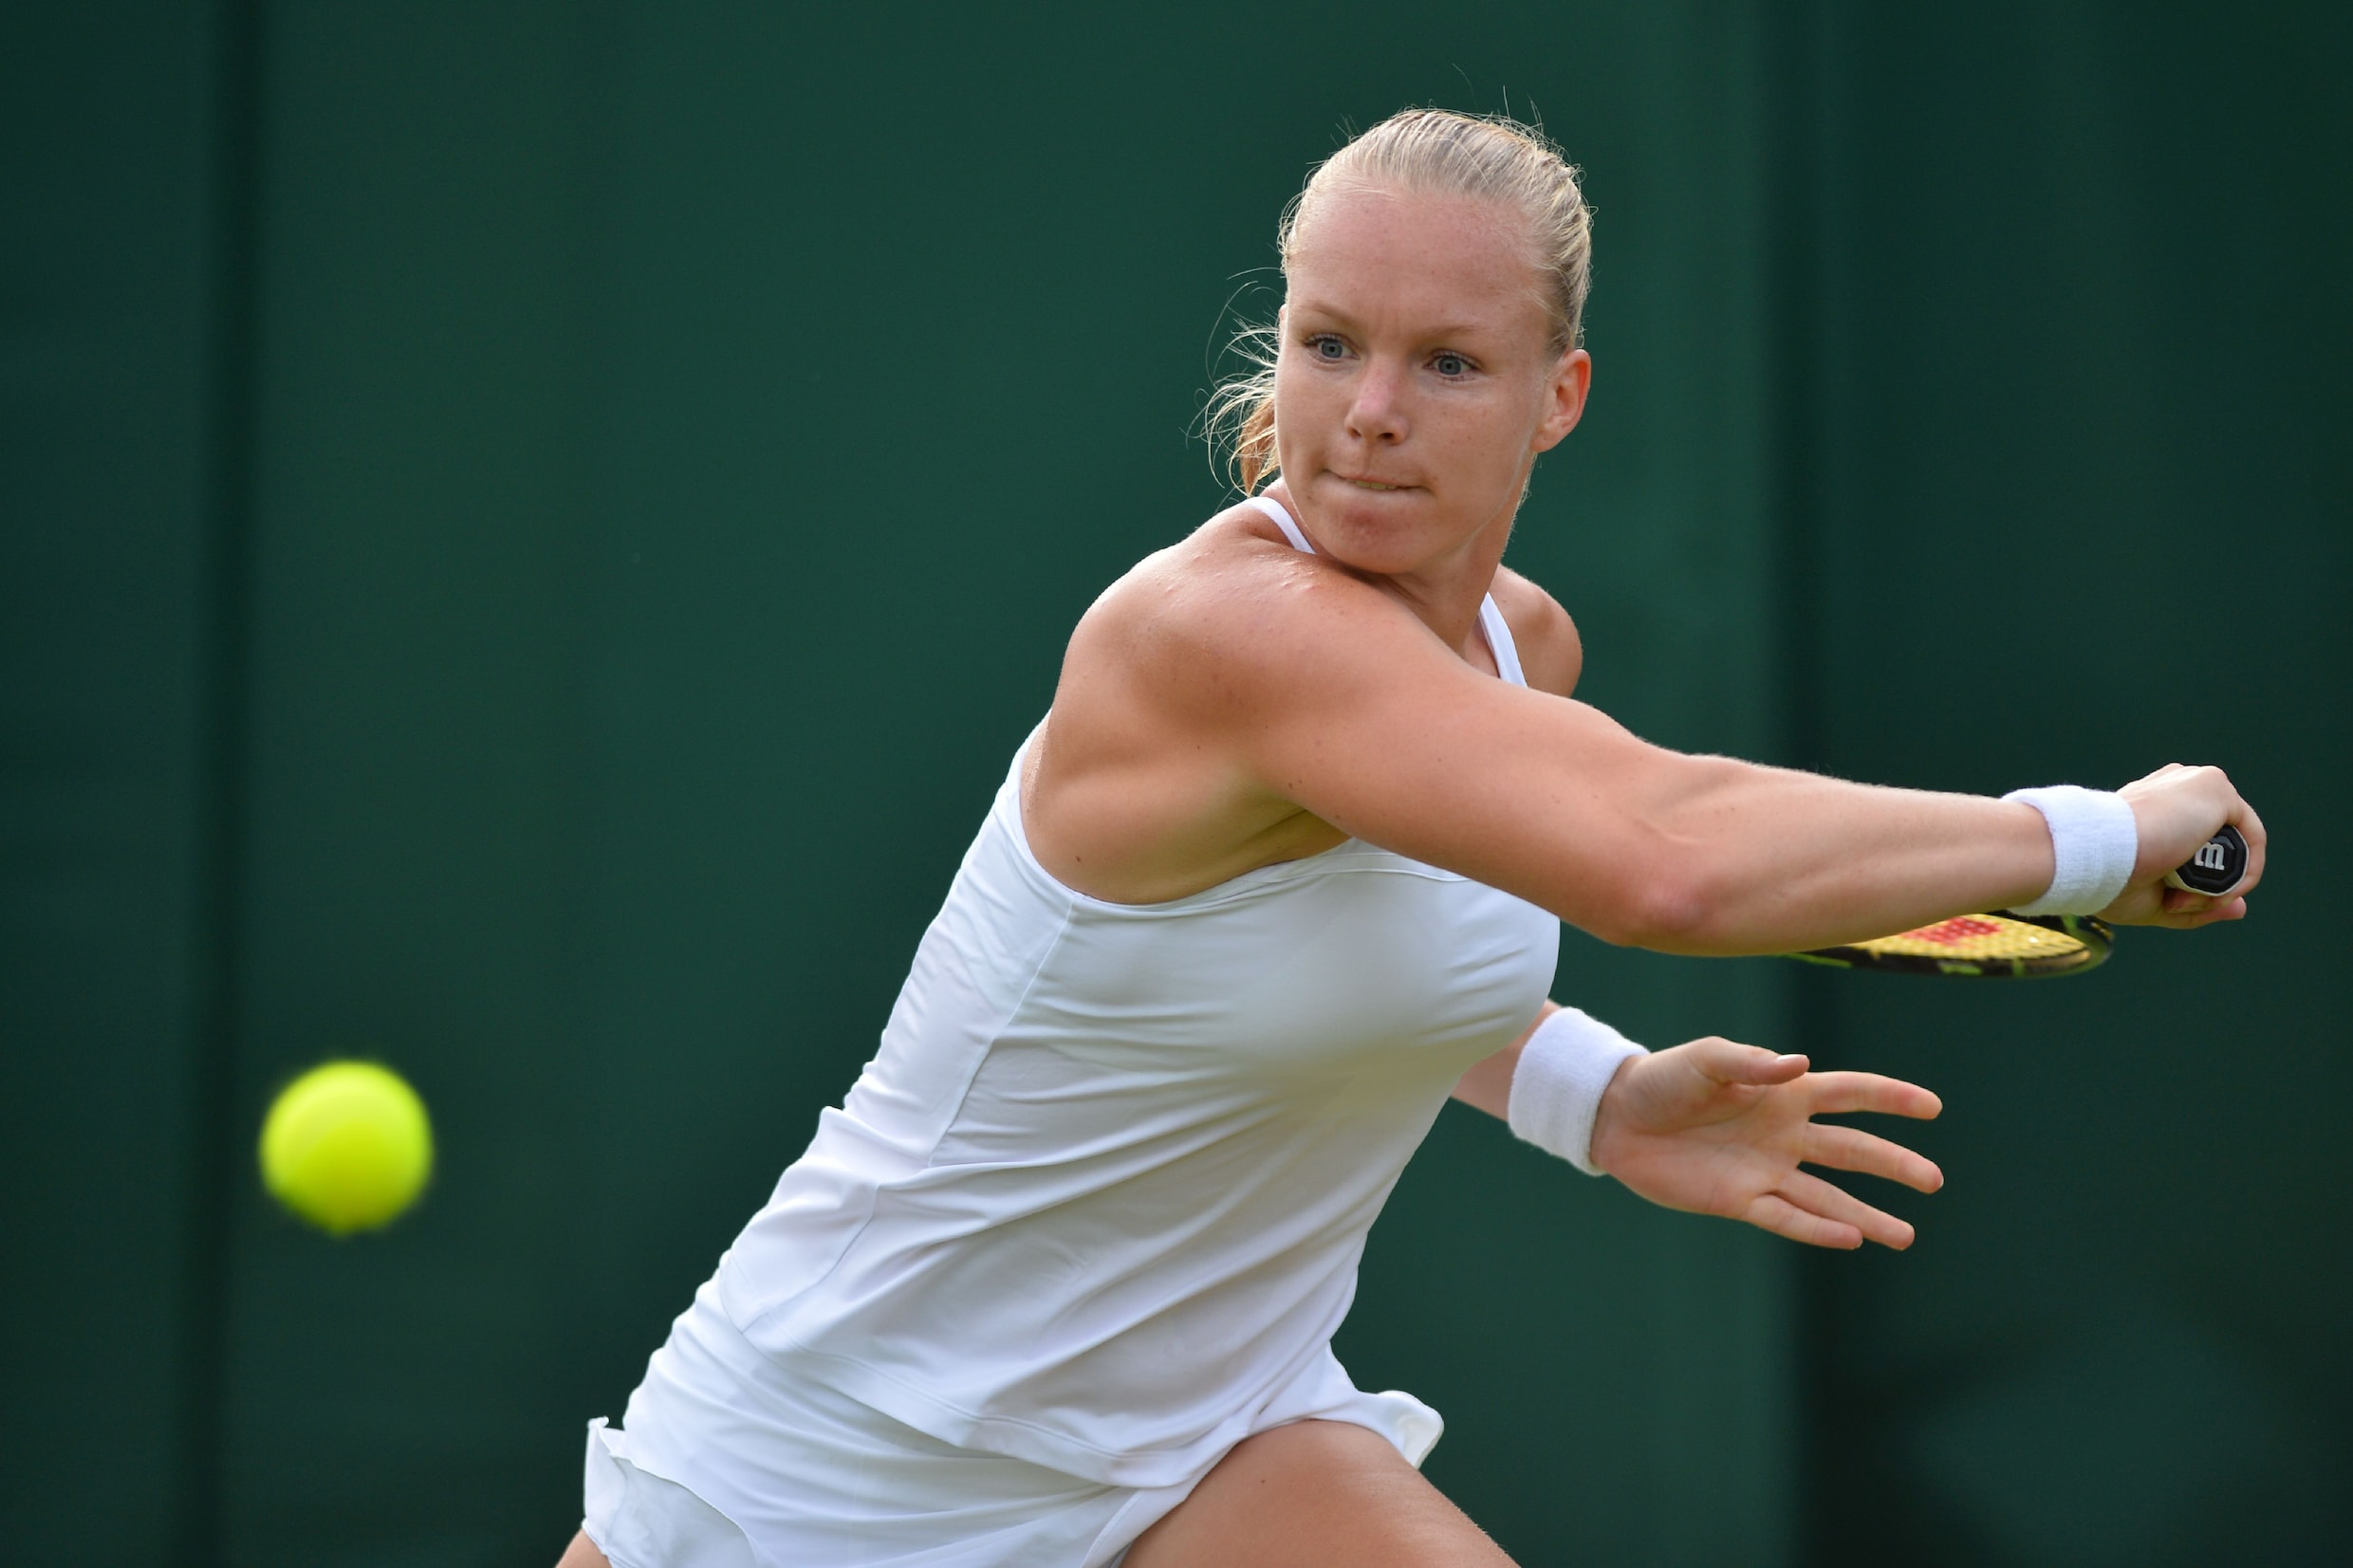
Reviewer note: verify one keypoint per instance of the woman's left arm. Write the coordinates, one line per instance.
(1718, 1127)
(1488, 1086)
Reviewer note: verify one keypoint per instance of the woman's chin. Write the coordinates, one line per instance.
(1383, 551)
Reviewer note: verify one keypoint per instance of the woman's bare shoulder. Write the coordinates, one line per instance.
(1231, 597)
(1551, 655)
(1145, 787)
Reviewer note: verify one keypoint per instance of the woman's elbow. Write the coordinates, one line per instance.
(1662, 907)
(1672, 879)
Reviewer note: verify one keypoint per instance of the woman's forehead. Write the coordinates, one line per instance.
(1381, 248)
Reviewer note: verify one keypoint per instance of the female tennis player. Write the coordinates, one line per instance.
(1282, 868)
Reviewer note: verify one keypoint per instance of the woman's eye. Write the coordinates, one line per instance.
(1328, 348)
(1450, 365)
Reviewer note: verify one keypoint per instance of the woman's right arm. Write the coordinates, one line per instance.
(1327, 694)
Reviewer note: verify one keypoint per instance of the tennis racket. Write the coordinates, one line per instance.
(2002, 946)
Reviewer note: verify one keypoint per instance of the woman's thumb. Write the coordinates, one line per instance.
(1732, 1062)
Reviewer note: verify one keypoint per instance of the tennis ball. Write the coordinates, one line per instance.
(347, 1146)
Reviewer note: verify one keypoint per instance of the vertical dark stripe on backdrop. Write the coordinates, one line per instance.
(215, 1146)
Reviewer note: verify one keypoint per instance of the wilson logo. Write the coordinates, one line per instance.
(2214, 857)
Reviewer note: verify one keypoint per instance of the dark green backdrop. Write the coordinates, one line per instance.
(530, 531)
(2086, 269)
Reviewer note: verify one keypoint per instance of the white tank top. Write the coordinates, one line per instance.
(1099, 1199)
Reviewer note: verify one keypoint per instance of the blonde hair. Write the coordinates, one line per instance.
(1435, 151)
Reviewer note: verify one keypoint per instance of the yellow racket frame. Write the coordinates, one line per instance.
(2000, 945)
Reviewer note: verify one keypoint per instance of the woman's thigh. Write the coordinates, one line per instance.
(1315, 1492)
(582, 1553)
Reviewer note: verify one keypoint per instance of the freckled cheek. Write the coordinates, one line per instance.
(1468, 440)
(1306, 398)
(1481, 431)
(1307, 417)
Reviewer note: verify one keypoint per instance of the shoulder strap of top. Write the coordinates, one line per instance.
(1499, 641)
(1273, 508)
(1490, 619)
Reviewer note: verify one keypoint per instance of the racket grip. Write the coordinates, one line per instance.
(2215, 869)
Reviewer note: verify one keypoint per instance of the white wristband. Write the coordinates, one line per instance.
(1557, 1086)
(2094, 842)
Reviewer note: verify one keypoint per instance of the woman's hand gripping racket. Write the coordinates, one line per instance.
(2002, 946)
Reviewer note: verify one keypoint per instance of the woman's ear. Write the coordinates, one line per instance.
(1571, 379)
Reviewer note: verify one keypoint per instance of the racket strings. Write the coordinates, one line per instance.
(1977, 938)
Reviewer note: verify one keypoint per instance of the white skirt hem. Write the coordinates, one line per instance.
(725, 1460)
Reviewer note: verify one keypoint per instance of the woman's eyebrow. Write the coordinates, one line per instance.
(1334, 315)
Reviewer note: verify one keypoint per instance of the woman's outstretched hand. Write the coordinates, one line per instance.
(1718, 1127)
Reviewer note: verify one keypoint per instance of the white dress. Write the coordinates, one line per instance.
(1088, 1219)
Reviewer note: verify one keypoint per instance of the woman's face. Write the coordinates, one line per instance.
(1417, 380)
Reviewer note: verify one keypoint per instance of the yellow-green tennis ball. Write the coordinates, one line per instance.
(347, 1146)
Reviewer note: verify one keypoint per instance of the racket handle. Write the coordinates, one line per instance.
(2215, 869)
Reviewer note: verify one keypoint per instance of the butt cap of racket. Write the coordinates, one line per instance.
(2218, 866)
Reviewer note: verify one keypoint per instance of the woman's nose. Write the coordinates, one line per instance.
(1376, 414)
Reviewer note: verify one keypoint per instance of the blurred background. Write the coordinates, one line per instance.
(528, 532)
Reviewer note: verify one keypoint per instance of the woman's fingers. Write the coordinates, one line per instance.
(1840, 1207)
(2258, 844)
(1851, 1149)
(1783, 1218)
(2188, 911)
(1729, 1061)
(1835, 1093)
